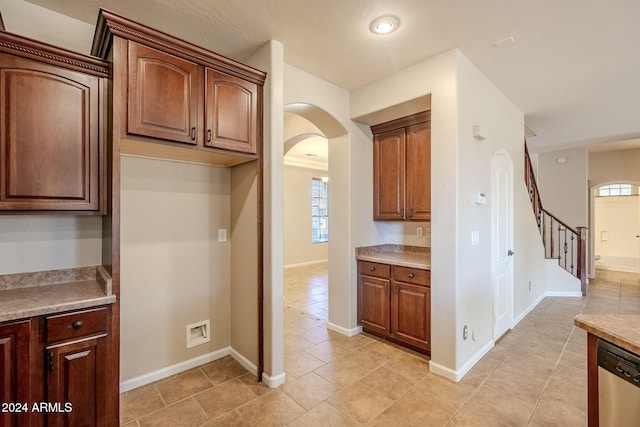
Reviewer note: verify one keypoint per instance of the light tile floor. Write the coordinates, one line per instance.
(535, 376)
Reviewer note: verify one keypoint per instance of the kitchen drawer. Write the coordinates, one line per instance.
(411, 275)
(76, 324)
(374, 269)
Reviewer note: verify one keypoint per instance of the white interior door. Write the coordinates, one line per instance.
(502, 242)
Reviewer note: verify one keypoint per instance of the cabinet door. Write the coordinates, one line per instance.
(231, 112)
(389, 175)
(15, 372)
(411, 314)
(373, 304)
(419, 172)
(76, 383)
(164, 96)
(49, 137)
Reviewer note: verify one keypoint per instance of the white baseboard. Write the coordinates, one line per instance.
(457, 375)
(302, 264)
(528, 310)
(275, 381)
(248, 365)
(173, 369)
(163, 373)
(562, 294)
(344, 331)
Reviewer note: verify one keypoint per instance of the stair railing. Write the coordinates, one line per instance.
(560, 241)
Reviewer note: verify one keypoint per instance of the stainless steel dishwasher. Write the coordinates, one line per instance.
(618, 386)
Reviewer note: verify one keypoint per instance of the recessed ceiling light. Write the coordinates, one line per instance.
(384, 24)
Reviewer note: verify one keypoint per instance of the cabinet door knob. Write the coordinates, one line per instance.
(209, 135)
(372, 269)
(77, 324)
(411, 275)
(411, 212)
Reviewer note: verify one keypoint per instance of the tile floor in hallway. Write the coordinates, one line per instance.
(535, 376)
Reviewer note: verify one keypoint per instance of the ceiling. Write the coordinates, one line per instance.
(572, 67)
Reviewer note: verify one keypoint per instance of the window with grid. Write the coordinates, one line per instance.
(319, 210)
(617, 190)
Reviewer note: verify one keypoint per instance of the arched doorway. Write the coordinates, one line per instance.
(308, 132)
(616, 226)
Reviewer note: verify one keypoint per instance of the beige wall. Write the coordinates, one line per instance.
(174, 272)
(298, 248)
(33, 21)
(614, 166)
(49, 242)
(564, 187)
(461, 97)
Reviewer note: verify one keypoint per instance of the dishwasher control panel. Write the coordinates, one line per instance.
(619, 362)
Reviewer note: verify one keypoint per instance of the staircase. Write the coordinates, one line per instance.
(560, 241)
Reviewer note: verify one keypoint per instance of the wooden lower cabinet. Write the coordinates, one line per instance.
(373, 303)
(54, 370)
(16, 369)
(395, 303)
(76, 383)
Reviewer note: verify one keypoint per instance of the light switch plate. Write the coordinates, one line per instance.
(475, 237)
(222, 235)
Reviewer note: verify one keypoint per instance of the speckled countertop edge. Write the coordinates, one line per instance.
(622, 330)
(400, 255)
(40, 293)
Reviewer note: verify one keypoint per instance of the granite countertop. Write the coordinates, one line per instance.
(401, 255)
(26, 295)
(622, 330)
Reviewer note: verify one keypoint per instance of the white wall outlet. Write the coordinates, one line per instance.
(198, 333)
(222, 234)
(419, 232)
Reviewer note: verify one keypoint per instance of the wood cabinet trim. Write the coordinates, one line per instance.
(43, 52)
(403, 122)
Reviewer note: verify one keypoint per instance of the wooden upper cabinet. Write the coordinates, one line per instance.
(177, 94)
(231, 112)
(164, 95)
(402, 169)
(389, 175)
(50, 133)
(418, 161)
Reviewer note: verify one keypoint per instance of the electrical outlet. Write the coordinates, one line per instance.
(465, 332)
(529, 284)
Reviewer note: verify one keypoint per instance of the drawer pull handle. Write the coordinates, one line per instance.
(209, 135)
(411, 275)
(372, 269)
(77, 324)
(193, 133)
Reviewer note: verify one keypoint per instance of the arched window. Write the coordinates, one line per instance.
(617, 190)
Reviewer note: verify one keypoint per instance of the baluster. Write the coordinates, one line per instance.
(565, 248)
(572, 259)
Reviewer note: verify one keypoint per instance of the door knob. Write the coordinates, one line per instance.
(510, 252)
